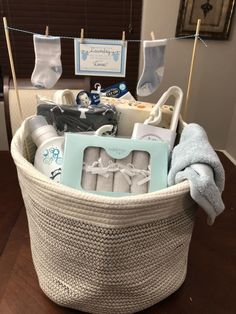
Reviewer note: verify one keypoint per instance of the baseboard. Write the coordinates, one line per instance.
(230, 157)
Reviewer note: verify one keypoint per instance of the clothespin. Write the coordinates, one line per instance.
(123, 37)
(81, 35)
(47, 31)
(152, 35)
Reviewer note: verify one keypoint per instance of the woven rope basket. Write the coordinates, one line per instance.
(102, 254)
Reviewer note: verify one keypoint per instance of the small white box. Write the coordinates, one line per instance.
(148, 132)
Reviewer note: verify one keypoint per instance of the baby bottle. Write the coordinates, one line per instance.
(49, 155)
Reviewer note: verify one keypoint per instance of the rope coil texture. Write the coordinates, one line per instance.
(103, 254)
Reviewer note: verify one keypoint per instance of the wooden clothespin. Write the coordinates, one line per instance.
(152, 35)
(123, 37)
(47, 31)
(81, 35)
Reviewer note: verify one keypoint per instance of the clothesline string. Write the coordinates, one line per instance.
(8, 42)
(128, 40)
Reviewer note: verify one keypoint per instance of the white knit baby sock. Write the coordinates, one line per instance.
(153, 68)
(48, 67)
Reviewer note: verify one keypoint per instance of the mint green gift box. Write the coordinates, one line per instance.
(117, 148)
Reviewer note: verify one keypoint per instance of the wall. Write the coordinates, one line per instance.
(231, 142)
(213, 93)
(3, 134)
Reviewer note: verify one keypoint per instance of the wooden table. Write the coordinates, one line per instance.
(210, 286)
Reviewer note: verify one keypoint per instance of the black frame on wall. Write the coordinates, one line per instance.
(216, 18)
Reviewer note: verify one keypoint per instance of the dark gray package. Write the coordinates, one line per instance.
(78, 119)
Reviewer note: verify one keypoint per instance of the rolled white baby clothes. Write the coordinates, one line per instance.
(140, 161)
(89, 180)
(105, 180)
(121, 178)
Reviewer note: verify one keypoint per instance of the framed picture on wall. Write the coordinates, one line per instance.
(215, 15)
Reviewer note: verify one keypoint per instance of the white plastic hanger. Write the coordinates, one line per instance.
(103, 129)
(156, 115)
(64, 97)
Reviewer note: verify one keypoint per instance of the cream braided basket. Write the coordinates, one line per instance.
(104, 254)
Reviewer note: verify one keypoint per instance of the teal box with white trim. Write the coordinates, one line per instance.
(114, 166)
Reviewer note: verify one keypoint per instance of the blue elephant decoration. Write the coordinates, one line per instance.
(84, 54)
(116, 56)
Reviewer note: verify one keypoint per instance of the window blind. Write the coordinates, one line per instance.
(105, 19)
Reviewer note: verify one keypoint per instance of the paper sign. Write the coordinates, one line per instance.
(100, 57)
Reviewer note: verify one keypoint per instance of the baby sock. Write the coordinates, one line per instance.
(153, 68)
(48, 68)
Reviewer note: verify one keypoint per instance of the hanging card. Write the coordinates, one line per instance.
(100, 57)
